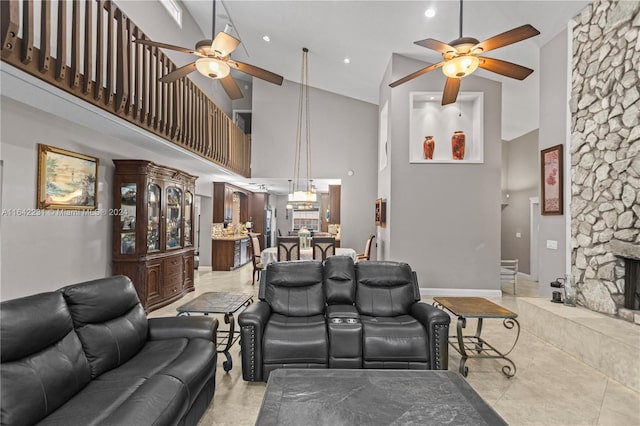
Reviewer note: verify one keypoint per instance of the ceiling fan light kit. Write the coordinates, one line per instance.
(213, 68)
(460, 58)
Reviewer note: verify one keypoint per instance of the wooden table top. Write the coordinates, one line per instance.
(474, 307)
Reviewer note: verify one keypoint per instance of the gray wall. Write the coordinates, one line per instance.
(42, 253)
(445, 218)
(522, 175)
(553, 131)
(343, 137)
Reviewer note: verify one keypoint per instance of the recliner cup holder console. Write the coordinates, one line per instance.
(345, 343)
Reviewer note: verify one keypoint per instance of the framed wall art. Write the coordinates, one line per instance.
(66, 180)
(551, 185)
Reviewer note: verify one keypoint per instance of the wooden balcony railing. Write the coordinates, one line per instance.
(86, 49)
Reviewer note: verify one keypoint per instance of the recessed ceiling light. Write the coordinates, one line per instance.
(430, 13)
(266, 38)
(347, 61)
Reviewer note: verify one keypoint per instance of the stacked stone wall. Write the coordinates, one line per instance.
(605, 149)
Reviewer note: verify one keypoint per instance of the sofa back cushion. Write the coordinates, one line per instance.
(43, 364)
(384, 288)
(109, 320)
(294, 289)
(339, 280)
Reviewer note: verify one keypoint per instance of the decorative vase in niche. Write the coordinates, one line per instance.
(428, 146)
(457, 145)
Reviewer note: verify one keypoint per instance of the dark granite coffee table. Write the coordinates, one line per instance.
(336, 397)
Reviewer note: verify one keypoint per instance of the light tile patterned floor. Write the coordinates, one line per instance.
(549, 388)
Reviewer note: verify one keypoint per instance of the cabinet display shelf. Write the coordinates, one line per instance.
(427, 117)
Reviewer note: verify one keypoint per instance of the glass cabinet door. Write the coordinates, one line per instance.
(153, 219)
(129, 193)
(174, 217)
(188, 213)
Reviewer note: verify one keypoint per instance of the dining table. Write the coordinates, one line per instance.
(270, 254)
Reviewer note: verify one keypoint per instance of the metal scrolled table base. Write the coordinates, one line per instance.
(474, 346)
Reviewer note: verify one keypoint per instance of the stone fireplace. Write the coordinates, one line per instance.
(605, 155)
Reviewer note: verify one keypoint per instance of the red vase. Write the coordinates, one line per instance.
(428, 146)
(457, 145)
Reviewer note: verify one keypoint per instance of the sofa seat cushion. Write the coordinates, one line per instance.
(191, 361)
(161, 400)
(294, 340)
(399, 338)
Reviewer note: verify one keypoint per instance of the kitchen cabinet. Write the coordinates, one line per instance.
(153, 230)
(334, 203)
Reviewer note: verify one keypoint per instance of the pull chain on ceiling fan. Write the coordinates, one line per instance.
(460, 58)
(215, 61)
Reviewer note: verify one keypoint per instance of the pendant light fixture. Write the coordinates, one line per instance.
(303, 193)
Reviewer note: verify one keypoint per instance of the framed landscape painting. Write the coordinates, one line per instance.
(66, 180)
(552, 180)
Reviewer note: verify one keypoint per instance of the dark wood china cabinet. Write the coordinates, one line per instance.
(153, 230)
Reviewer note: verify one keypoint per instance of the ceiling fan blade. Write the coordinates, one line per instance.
(256, 72)
(505, 68)
(451, 88)
(436, 45)
(224, 43)
(178, 73)
(166, 46)
(231, 87)
(416, 74)
(509, 37)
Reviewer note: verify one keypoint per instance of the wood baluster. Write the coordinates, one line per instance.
(26, 54)
(122, 62)
(75, 45)
(132, 75)
(152, 86)
(9, 25)
(165, 97)
(178, 108)
(146, 72)
(135, 62)
(97, 92)
(157, 118)
(88, 47)
(199, 122)
(61, 51)
(110, 54)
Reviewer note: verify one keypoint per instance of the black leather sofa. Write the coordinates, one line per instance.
(86, 354)
(340, 315)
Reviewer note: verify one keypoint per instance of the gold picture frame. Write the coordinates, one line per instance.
(66, 180)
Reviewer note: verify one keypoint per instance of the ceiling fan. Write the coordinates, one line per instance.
(460, 58)
(215, 61)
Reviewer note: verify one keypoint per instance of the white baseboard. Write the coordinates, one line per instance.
(468, 292)
(204, 268)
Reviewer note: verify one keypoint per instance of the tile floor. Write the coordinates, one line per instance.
(549, 388)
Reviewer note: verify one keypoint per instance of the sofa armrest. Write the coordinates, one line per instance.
(436, 322)
(203, 327)
(252, 324)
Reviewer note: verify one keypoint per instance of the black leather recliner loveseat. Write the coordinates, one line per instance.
(341, 315)
(86, 354)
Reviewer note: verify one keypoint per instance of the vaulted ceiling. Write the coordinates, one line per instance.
(368, 32)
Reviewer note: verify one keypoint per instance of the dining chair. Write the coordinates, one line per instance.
(288, 248)
(367, 249)
(323, 247)
(255, 257)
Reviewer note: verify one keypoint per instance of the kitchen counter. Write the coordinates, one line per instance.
(230, 252)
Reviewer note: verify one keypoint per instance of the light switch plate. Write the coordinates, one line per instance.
(518, 234)
(552, 244)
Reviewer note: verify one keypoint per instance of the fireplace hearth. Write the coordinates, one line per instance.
(632, 284)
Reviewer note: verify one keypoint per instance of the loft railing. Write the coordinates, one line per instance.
(86, 49)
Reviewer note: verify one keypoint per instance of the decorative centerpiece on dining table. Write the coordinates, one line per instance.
(305, 238)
